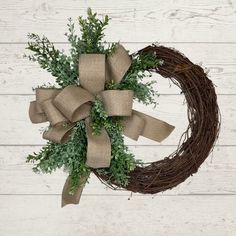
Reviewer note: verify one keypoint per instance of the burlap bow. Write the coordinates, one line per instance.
(73, 103)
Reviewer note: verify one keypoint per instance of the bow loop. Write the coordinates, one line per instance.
(117, 102)
(118, 64)
(63, 107)
(73, 102)
(58, 134)
(36, 112)
(92, 72)
(43, 94)
(54, 116)
(35, 115)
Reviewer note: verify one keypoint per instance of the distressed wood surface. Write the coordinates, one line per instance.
(216, 176)
(18, 129)
(132, 21)
(118, 216)
(205, 31)
(18, 75)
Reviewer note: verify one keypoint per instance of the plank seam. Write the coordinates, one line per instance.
(136, 42)
(134, 145)
(129, 195)
(161, 94)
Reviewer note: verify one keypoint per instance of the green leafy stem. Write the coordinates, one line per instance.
(72, 155)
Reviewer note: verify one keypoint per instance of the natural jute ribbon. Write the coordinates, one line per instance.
(73, 103)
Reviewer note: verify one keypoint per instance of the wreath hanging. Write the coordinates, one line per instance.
(89, 111)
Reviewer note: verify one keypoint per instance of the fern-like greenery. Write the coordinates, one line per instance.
(133, 80)
(72, 155)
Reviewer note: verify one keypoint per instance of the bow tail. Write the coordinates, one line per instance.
(98, 156)
(58, 134)
(98, 148)
(73, 103)
(140, 124)
(72, 198)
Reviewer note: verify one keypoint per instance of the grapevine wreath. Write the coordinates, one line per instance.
(89, 111)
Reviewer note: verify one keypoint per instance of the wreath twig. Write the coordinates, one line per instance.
(90, 110)
(201, 133)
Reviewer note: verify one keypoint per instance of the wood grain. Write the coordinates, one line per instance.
(216, 176)
(106, 215)
(132, 21)
(18, 130)
(18, 75)
(203, 205)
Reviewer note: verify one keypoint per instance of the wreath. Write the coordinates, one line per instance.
(89, 111)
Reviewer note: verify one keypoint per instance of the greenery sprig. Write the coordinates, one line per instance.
(122, 161)
(72, 155)
(52, 59)
(133, 80)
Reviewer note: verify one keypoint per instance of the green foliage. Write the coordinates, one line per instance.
(91, 40)
(98, 116)
(62, 66)
(122, 161)
(46, 85)
(52, 59)
(133, 80)
(92, 30)
(72, 155)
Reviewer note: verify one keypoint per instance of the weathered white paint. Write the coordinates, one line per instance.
(171, 108)
(208, 180)
(133, 21)
(118, 216)
(203, 205)
(18, 75)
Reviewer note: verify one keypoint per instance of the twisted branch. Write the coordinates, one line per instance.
(196, 142)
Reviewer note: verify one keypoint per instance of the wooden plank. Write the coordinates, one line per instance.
(18, 75)
(202, 205)
(195, 215)
(216, 176)
(139, 21)
(17, 128)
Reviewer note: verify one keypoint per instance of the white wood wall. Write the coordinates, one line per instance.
(205, 30)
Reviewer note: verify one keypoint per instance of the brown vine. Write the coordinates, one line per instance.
(196, 142)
